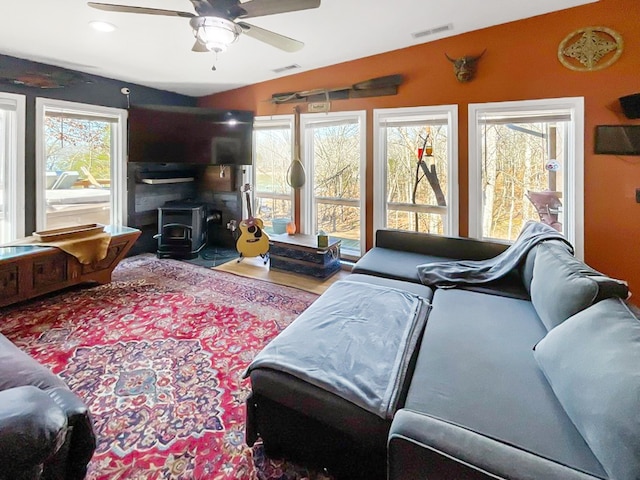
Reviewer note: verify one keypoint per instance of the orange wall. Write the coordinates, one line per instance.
(520, 63)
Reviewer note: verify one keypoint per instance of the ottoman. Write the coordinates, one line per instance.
(338, 420)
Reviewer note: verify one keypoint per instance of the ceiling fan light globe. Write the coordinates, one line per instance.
(216, 34)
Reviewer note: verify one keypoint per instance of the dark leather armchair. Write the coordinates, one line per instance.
(45, 429)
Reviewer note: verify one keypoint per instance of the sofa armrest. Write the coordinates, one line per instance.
(32, 429)
(81, 443)
(421, 446)
(458, 248)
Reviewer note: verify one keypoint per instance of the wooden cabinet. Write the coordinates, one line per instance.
(28, 271)
(8, 281)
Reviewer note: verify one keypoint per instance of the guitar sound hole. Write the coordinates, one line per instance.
(252, 229)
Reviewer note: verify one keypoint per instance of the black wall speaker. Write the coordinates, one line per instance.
(631, 105)
(617, 140)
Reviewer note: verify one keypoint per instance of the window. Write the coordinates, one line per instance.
(12, 134)
(273, 147)
(80, 164)
(333, 195)
(409, 194)
(526, 163)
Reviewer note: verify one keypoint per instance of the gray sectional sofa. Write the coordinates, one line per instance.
(530, 376)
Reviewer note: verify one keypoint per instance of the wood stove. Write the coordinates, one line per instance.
(182, 229)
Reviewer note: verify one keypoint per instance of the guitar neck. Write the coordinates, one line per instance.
(249, 204)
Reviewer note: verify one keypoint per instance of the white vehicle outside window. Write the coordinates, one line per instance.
(80, 164)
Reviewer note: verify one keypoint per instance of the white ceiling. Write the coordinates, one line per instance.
(156, 51)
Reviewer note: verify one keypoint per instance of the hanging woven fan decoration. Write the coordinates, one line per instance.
(296, 175)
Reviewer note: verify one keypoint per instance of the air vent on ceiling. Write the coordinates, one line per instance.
(433, 31)
(288, 67)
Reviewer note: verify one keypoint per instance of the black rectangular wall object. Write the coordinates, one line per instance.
(631, 105)
(617, 140)
(190, 135)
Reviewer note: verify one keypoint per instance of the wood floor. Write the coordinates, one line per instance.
(255, 268)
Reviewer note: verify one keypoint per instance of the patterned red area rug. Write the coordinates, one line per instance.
(158, 356)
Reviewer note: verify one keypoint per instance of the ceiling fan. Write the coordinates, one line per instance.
(218, 23)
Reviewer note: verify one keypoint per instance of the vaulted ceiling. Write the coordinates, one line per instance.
(155, 51)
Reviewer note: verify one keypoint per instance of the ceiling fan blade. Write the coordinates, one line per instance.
(274, 39)
(198, 47)
(108, 7)
(260, 8)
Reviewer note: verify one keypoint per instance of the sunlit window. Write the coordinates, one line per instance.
(415, 171)
(526, 164)
(12, 117)
(334, 151)
(273, 146)
(81, 165)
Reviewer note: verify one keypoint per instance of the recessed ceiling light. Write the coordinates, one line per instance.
(102, 26)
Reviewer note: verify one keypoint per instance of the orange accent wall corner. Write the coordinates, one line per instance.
(520, 63)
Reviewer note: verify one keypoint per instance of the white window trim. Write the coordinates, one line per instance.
(16, 163)
(118, 162)
(269, 122)
(574, 180)
(308, 213)
(380, 164)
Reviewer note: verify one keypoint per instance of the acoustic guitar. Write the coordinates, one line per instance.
(253, 240)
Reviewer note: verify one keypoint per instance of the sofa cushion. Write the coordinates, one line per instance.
(402, 265)
(591, 362)
(476, 369)
(562, 285)
(356, 341)
(391, 263)
(526, 267)
(425, 447)
(415, 288)
(438, 245)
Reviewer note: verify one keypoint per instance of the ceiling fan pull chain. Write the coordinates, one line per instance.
(213, 67)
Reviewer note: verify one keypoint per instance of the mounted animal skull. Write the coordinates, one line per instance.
(465, 67)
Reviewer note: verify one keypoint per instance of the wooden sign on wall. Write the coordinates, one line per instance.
(218, 178)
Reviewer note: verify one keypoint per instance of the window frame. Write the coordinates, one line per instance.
(308, 212)
(573, 187)
(15, 157)
(267, 122)
(118, 200)
(380, 164)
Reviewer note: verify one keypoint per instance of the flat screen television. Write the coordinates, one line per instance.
(617, 139)
(162, 134)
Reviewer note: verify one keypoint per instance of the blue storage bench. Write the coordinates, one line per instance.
(301, 254)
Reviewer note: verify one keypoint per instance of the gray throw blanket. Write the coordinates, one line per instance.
(355, 341)
(466, 272)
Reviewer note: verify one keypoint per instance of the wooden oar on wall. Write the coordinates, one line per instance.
(375, 87)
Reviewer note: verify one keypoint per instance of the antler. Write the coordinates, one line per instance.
(469, 58)
(479, 56)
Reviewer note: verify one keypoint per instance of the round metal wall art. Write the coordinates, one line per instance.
(590, 48)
